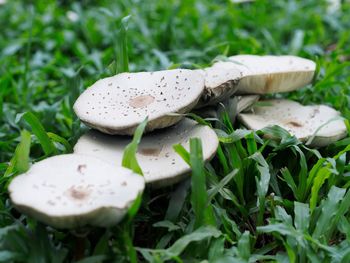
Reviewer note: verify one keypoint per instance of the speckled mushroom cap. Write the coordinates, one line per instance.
(220, 84)
(301, 121)
(245, 102)
(116, 105)
(72, 190)
(270, 74)
(160, 164)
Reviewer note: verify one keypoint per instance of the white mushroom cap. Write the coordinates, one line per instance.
(116, 105)
(160, 164)
(72, 190)
(301, 121)
(220, 84)
(245, 102)
(269, 74)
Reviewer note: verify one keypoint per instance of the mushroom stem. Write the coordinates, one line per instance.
(79, 243)
(79, 248)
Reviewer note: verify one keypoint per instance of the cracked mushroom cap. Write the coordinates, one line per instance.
(71, 191)
(270, 74)
(160, 164)
(301, 121)
(220, 84)
(116, 105)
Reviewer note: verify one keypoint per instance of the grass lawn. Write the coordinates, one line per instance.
(267, 200)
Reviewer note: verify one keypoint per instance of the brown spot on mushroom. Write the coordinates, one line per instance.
(141, 101)
(315, 111)
(294, 124)
(268, 84)
(79, 193)
(51, 203)
(80, 168)
(150, 151)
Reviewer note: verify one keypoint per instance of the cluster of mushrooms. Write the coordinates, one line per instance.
(89, 187)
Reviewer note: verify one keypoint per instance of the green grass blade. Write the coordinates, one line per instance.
(222, 159)
(290, 181)
(218, 187)
(177, 200)
(180, 150)
(244, 246)
(56, 138)
(313, 173)
(251, 144)
(321, 176)
(199, 198)
(302, 216)
(302, 174)
(20, 161)
(200, 234)
(39, 131)
(262, 184)
(129, 156)
(122, 46)
(329, 208)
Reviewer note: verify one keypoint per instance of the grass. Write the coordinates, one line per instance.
(257, 200)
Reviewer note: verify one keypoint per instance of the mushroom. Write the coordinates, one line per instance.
(319, 125)
(116, 105)
(219, 84)
(71, 191)
(245, 102)
(160, 164)
(269, 74)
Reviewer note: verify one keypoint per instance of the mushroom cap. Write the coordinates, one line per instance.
(72, 190)
(220, 84)
(116, 105)
(269, 74)
(160, 164)
(301, 121)
(245, 102)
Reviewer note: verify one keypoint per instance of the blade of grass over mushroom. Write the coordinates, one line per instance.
(129, 157)
(309, 141)
(185, 155)
(39, 131)
(130, 161)
(199, 198)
